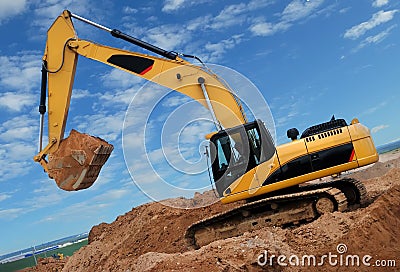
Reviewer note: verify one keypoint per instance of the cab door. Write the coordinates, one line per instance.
(294, 159)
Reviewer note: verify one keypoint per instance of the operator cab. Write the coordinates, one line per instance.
(235, 151)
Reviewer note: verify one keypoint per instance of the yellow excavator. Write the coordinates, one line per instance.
(245, 163)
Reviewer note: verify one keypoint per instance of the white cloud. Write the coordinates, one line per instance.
(16, 101)
(174, 5)
(378, 128)
(18, 128)
(77, 212)
(175, 101)
(45, 200)
(344, 10)
(9, 9)
(4, 197)
(20, 72)
(257, 4)
(165, 36)
(119, 96)
(9, 214)
(13, 168)
(262, 28)
(299, 9)
(18, 122)
(47, 194)
(133, 141)
(111, 195)
(17, 151)
(48, 10)
(377, 19)
(374, 39)
(380, 3)
(129, 10)
(230, 16)
(175, 37)
(117, 78)
(17, 146)
(216, 50)
(393, 141)
(80, 93)
(168, 37)
(123, 87)
(198, 22)
(194, 133)
(373, 109)
(294, 11)
(235, 14)
(104, 125)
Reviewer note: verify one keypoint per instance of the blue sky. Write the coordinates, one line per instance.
(309, 59)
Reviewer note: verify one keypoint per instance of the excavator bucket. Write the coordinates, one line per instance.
(76, 164)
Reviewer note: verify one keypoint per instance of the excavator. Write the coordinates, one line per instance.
(279, 185)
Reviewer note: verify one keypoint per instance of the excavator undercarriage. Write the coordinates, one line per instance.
(304, 204)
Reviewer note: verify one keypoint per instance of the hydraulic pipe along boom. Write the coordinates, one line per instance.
(119, 34)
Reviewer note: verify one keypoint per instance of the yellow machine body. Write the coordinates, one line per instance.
(317, 156)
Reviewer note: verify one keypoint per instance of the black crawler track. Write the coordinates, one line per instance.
(297, 206)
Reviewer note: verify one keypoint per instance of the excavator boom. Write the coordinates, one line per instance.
(77, 163)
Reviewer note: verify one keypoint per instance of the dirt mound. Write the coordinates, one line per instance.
(377, 170)
(375, 231)
(152, 227)
(47, 265)
(150, 237)
(199, 200)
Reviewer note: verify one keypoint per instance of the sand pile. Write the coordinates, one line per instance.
(150, 237)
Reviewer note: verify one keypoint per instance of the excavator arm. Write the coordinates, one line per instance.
(178, 75)
(77, 164)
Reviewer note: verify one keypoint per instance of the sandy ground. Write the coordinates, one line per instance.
(150, 237)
